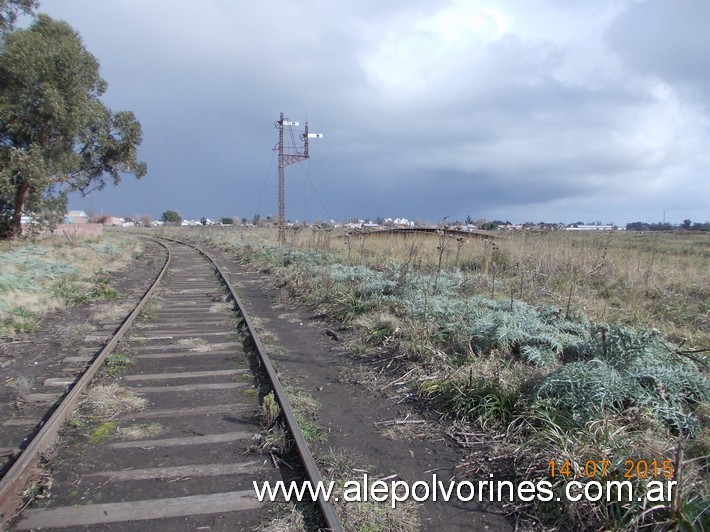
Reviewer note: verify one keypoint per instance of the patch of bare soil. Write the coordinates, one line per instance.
(363, 417)
(38, 369)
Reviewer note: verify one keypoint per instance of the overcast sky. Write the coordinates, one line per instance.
(554, 110)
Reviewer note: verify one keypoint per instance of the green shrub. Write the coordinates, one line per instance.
(474, 398)
(586, 389)
(619, 368)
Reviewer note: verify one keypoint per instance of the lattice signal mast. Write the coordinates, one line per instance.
(289, 154)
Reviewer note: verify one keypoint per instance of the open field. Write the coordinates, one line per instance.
(653, 280)
(577, 348)
(38, 277)
(534, 347)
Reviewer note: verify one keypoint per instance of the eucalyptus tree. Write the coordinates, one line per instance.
(56, 136)
(9, 9)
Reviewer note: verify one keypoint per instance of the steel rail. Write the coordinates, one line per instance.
(331, 518)
(24, 468)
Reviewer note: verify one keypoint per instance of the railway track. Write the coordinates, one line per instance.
(182, 460)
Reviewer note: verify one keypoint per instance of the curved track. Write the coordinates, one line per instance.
(181, 462)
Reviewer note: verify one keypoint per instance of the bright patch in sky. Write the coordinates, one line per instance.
(417, 50)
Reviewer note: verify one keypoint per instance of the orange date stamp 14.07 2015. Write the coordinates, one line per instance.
(641, 468)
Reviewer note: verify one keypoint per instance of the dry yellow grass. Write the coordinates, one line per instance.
(110, 400)
(140, 431)
(654, 280)
(32, 272)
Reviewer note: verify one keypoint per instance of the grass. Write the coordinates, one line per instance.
(111, 400)
(552, 345)
(288, 519)
(305, 408)
(20, 320)
(102, 432)
(141, 431)
(78, 422)
(311, 430)
(116, 364)
(276, 440)
(149, 312)
(198, 345)
(368, 516)
(40, 277)
(653, 280)
(270, 410)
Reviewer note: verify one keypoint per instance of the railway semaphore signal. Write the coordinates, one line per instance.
(288, 154)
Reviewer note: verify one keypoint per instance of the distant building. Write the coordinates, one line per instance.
(76, 217)
(114, 221)
(402, 222)
(586, 227)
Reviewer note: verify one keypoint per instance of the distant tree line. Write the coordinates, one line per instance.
(687, 225)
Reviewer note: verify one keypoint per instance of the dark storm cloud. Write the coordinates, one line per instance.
(666, 39)
(543, 110)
